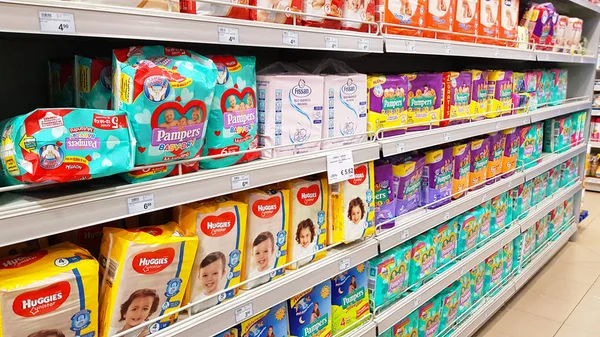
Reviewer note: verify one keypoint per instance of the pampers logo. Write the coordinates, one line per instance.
(349, 88)
(301, 90)
(176, 135)
(157, 88)
(218, 225)
(153, 262)
(41, 301)
(22, 260)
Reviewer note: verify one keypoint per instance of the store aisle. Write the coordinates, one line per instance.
(563, 300)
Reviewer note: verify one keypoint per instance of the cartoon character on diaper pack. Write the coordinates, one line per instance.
(425, 103)
(449, 301)
(480, 103)
(389, 275)
(445, 240)
(349, 298)
(500, 88)
(477, 276)
(430, 317)
(465, 299)
(387, 103)
(424, 258)
(408, 327)
(457, 93)
(479, 162)
(268, 16)
(93, 83)
(310, 312)
(269, 323)
(494, 269)
(462, 167)
(436, 185)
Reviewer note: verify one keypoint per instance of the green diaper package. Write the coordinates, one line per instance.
(465, 299)
(484, 216)
(498, 210)
(408, 327)
(449, 299)
(468, 231)
(508, 257)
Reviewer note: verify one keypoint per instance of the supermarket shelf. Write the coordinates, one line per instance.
(419, 221)
(405, 306)
(596, 87)
(540, 210)
(587, 4)
(368, 329)
(548, 56)
(24, 217)
(266, 296)
(559, 110)
(592, 184)
(551, 160)
(138, 24)
(595, 112)
(593, 145)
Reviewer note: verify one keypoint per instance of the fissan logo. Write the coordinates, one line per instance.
(301, 90)
(153, 262)
(349, 88)
(41, 301)
(218, 225)
(266, 208)
(360, 175)
(22, 260)
(308, 196)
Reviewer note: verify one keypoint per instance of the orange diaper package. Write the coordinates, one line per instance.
(225, 10)
(331, 8)
(488, 21)
(507, 22)
(268, 16)
(406, 13)
(466, 18)
(439, 17)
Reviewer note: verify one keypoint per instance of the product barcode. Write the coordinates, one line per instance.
(46, 15)
(133, 200)
(113, 267)
(334, 188)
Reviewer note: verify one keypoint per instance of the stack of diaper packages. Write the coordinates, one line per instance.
(310, 312)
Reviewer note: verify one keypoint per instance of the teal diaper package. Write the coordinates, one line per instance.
(93, 83)
(429, 317)
(349, 299)
(508, 252)
(494, 269)
(477, 277)
(557, 219)
(424, 258)
(269, 323)
(468, 232)
(539, 187)
(565, 171)
(568, 210)
(465, 299)
(554, 180)
(445, 238)
(389, 274)
(572, 169)
(408, 327)
(517, 249)
(557, 134)
(498, 209)
(528, 145)
(310, 312)
(449, 299)
(528, 241)
(60, 83)
(64, 145)
(541, 231)
(510, 208)
(484, 215)
(522, 199)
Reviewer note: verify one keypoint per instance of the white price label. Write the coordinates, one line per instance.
(290, 38)
(416, 302)
(405, 234)
(331, 42)
(484, 198)
(448, 48)
(243, 313)
(240, 182)
(400, 147)
(139, 204)
(52, 22)
(531, 57)
(364, 44)
(228, 35)
(344, 263)
(447, 137)
(463, 271)
(410, 46)
(446, 216)
(525, 121)
(496, 52)
(498, 125)
(340, 167)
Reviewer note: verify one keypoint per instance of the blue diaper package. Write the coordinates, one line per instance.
(310, 312)
(93, 83)
(231, 332)
(269, 323)
(349, 299)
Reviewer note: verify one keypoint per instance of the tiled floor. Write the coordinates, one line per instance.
(563, 299)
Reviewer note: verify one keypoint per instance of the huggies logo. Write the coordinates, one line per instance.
(266, 208)
(308, 196)
(42, 301)
(153, 262)
(360, 175)
(22, 260)
(301, 90)
(218, 225)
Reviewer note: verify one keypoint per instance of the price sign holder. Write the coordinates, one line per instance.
(53, 22)
(340, 167)
(143, 203)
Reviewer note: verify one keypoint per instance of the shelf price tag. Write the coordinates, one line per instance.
(400, 147)
(52, 22)
(447, 137)
(446, 216)
(240, 182)
(410, 46)
(340, 167)
(416, 302)
(496, 52)
(331, 42)
(139, 204)
(228, 35)
(448, 48)
(344, 263)
(243, 313)
(364, 44)
(405, 234)
(290, 38)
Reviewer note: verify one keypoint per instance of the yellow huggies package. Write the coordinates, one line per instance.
(351, 206)
(267, 228)
(220, 226)
(144, 275)
(49, 293)
(308, 230)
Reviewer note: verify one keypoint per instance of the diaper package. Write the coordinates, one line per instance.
(385, 200)
(494, 269)
(468, 232)
(436, 185)
(387, 103)
(511, 151)
(578, 126)
(568, 207)
(462, 168)
(429, 317)
(232, 123)
(557, 134)
(290, 111)
(49, 292)
(63, 145)
(349, 298)
(424, 258)
(445, 238)
(497, 141)
(331, 8)
(439, 16)
(389, 275)
(480, 103)
(554, 177)
(541, 231)
(500, 86)
(407, 13)
(540, 184)
(60, 83)
(477, 276)
(558, 86)
(425, 105)
(479, 162)
(457, 92)
(528, 145)
(308, 230)
(267, 228)
(538, 20)
(271, 322)
(224, 10)
(498, 211)
(146, 267)
(93, 83)
(310, 312)
(407, 327)
(220, 225)
(573, 35)
(351, 206)
(466, 19)
(234, 331)
(557, 219)
(543, 87)
(408, 175)
(483, 215)
(558, 40)
(508, 252)
(449, 299)
(488, 21)
(508, 17)
(363, 10)
(465, 299)
(268, 16)
(528, 238)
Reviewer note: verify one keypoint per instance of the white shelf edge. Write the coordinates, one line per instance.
(368, 329)
(551, 160)
(559, 110)
(543, 208)
(595, 112)
(587, 4)
(596, 87)
(594, 144)
(592, 184)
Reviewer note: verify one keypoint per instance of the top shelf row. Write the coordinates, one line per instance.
(88, 20)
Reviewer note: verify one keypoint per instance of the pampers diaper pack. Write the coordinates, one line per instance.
(436, 185)
(479, 162)
(457, 96)
(445, 240)
(93, 83)
(500, 87)
(449, 299)
(308, 230)
(424, 258)
(498, 211)
(408, 327)
(352, 206)
(349, 298)
(290, 112)
(557, 134)
(389, 275)
(51, 292)
(508, 255)
(425, 101)
(430, 317)
(497, 145)
(331, 8)
(479, 94)
(528, 144)
(408, 174)
(477, 275)
(147, 267)
(462, 168)
(387, 103)
(267, 228)
(310, 312)
(511, 151)
(232, 122)
(62, 145)
(494, 269)
(269, 323)
(483, 214)
(465, 299)
(220, 225)
(468, 232)
(60, 83)
(385, 200)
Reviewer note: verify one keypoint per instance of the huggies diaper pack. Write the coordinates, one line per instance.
(268, 16)
(484, 215)
(349, 298)
(148, 267)
(508, 22)
(494, 269)
(346, 109)
(389, 275)
(449, 298)
(220, 225)
(331, 8)
(310, 312)
(408, 175)
(424, 258)
(497, 145)
(480, 103)
(232, 122)
(430, 317)
(498, 209)
(224, 10)
(308, 230)
(363, 10)
(557, 134)
(267, 227)
(408, 327)
(465, 299)
(89, 238)
(511, 151)
(445, 239)
(60, 83)
(93, 83)
(425, 101)
(385, 200)
(50, 292)
(462, 168)
(457, 95)
(387, 103)
(468, 232)
(477, 276)
(25, 247)
(439, 16)
(269, 323)
(488, 21)
(541, 231)
(479, 162)
(436, 185)
(290, 112)
(500, 87)
(62, 145)
(466, 20)
(351, 206)
(508, 252)
(406, 13)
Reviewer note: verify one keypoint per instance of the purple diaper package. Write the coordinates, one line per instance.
(436, 186)
(425, 101)
(387, 103)
(408, 173)
(385, 202)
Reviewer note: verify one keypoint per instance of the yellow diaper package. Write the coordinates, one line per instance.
(308, 212)
(220, 225)
(49, 292)
(351, 206)
(267, 229)
(144, 272)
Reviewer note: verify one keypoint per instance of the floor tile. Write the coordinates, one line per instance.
(517, 323)
(544, 305)
(585, 318)
(571, 331)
